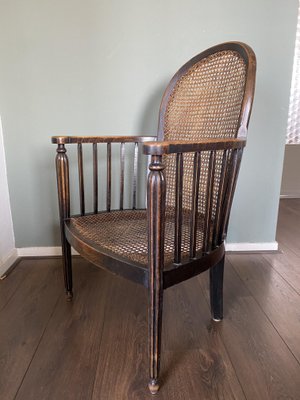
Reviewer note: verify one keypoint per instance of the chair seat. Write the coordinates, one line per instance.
(124, 233)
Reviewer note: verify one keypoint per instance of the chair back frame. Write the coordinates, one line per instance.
(247, 54)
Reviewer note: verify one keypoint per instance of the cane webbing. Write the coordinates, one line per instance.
(205, 103)
(125, 233)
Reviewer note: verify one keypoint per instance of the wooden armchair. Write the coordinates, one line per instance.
(195, 159)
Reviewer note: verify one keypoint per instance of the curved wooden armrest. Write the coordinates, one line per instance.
(183, 146)
(100, 139)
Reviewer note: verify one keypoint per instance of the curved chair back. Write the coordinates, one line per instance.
(210, 97)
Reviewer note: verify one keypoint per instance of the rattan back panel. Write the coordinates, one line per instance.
(205, 102)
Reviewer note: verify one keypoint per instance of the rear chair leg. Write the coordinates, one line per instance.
(67, 266)
(216, 290)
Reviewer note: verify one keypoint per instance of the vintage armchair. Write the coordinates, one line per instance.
(180, 229)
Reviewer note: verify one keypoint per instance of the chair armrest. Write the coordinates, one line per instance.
(101, 139)
(183, 146)
(62, 168)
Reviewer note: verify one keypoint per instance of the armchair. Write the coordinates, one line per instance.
(195, 159)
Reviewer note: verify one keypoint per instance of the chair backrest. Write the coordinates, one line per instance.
(209, 97)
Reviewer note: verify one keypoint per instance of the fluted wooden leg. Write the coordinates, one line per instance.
(216, 290)
(156, 191)
(155, 325)
(62, 173)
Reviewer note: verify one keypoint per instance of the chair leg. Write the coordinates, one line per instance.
(155, 308)
(156, 195)
(67, 266)
(62, 173)
(216, 290)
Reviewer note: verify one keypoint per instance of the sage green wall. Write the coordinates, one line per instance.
(99, 67)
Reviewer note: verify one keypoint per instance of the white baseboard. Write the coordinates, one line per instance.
(41, 251)
(56, 251)
(8, 261)
(290, 195)
(252, 247)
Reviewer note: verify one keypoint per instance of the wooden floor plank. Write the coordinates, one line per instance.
(264, 365)
(24, 319)
(65, 363)
(290, 241)
(96, 347)
(10, 283)
(191, 349)
(122, 369)
(191, 332)
(287, 264)
(288, 226)
(278, 300)
(287, 261)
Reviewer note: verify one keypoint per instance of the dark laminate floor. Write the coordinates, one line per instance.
(95, 347)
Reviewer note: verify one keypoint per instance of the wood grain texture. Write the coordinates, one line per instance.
(194, 347)
(289, 225)
(278, 300)
(24, 319)
(100, 139)
(64, 365)
(287, 261)
(265, 366)
(9, 287)
(172, 146)
(122, 371)
(287, 264)
(156, 216)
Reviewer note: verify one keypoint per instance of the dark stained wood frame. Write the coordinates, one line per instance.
(158, 276)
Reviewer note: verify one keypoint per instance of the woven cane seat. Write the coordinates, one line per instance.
(124, 233)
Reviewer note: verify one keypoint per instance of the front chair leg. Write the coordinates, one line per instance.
(156, 193)
(216, 290)
(155, 308)
(62, 173)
